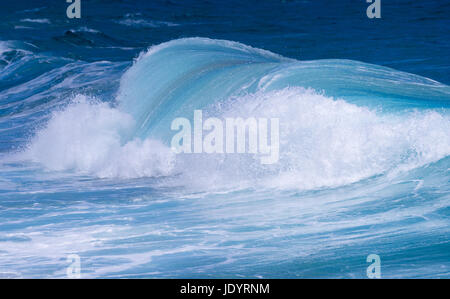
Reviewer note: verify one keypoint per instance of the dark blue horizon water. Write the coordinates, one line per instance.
(411, 36)
(365, 139)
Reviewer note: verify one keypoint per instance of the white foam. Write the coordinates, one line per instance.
(40, 21)
(146, 23)
(88, 137)
(323, 142)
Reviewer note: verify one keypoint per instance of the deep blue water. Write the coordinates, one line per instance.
(85, 113)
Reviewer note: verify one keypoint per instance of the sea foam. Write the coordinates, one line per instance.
(87, 137)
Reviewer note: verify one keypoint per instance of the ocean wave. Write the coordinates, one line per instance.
(174, 78)
(382, 123)
(324, 142)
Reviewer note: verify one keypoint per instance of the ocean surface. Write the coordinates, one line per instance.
(86, 167)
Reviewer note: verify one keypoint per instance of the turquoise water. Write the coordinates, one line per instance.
(86, 167)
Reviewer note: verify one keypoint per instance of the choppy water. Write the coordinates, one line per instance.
(85, 113)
